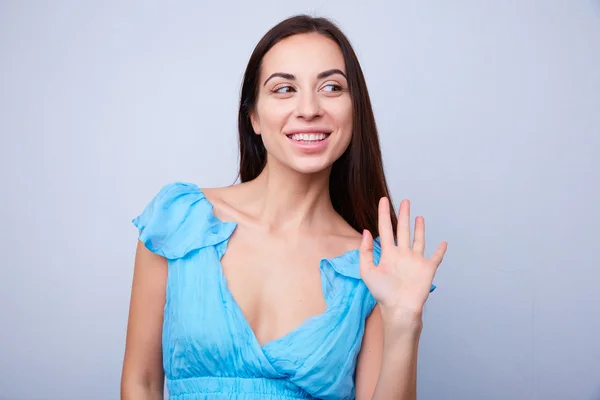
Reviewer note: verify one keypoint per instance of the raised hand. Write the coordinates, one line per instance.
(402, 279)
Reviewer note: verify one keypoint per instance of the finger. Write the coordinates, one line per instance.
(404, 225)
(366, 254)
(386, 231)
(438, 255)
(419, 240)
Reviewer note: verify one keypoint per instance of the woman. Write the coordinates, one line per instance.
(267, 289)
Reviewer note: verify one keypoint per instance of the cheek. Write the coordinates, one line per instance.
(343, 117)
(272, 116)
(342, 113)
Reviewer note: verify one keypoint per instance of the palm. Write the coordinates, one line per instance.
(403, 277)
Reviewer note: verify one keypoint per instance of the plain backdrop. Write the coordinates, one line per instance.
(489, 118)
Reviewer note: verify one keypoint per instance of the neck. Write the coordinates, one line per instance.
(284, 199)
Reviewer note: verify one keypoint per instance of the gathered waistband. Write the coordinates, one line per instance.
(278, 388)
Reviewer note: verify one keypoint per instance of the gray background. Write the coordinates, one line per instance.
(489, 115)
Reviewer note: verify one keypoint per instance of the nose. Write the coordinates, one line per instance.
(308, 105)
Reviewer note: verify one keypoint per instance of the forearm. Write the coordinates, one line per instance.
(398, 375)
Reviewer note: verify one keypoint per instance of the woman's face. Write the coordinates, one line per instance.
(304, 109)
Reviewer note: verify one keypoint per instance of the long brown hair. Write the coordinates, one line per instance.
(357, 180)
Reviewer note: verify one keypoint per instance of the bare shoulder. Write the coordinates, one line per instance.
(347, 234)
(225, 199)
(214, 194)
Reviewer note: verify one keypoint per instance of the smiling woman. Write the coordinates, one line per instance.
(305, 91)
(308, 139)
(274, 288)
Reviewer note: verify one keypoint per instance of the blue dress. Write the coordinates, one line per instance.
(209, 349)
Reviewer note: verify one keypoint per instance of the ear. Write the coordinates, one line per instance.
(255, 122)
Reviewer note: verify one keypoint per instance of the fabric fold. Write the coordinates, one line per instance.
(180, 219)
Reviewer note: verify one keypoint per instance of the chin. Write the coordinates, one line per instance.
(310, 166)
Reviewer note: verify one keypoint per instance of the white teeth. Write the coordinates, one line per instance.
(309, 137)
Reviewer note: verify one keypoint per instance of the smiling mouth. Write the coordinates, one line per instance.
(308, 137)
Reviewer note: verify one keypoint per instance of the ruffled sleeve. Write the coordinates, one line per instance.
(178, 220)
(348, 265)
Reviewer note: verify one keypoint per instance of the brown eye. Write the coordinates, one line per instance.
(283, 89)
(332, 87)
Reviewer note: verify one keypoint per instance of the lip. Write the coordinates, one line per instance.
(309, 129)
(310, 148)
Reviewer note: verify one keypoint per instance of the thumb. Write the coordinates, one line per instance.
(366, 254)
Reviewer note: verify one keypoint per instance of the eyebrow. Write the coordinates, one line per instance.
(322, 75)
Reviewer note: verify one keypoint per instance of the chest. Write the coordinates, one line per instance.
(266, 333)
(276, 283)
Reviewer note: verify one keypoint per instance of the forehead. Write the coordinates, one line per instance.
(308, 53)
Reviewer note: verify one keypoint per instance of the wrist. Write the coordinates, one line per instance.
(402, 321)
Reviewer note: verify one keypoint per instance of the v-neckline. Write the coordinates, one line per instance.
(238, 310)
(242, 317)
